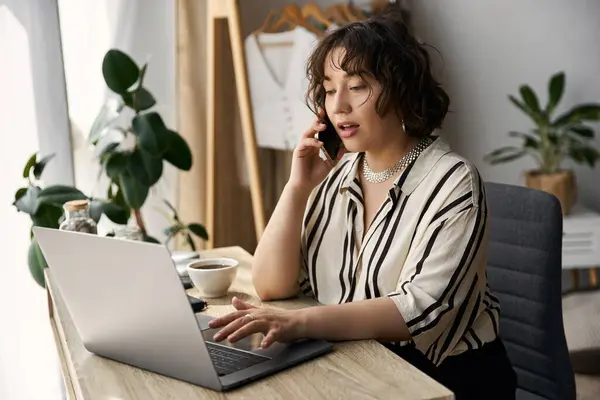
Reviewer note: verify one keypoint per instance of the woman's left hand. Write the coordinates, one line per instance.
(277, 325)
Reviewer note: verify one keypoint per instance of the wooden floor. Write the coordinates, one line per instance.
(588, 387)
(581, 316)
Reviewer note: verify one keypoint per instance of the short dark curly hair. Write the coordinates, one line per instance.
(383, 48)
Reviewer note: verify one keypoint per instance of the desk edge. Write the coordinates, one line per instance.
(73, 391)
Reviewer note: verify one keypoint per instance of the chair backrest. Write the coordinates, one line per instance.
(524, 271)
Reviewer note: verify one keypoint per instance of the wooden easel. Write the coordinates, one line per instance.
(227, 12)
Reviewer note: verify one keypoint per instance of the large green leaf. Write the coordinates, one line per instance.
(152, 133)
(134, 191)
(198, 230)
(584, 154)
(47, 216)
(119, 70)
(139, 100)
(136, 167)
(556, 87)
(530, 98)
(530, 140)
(115, 212)
(28, 202)
(145, 167)
(508, 157)
(115, 164)
(578, 114)
(36, 262)
(60, 194)
(96, 209)
(536, 117)
(504, 154)
(39, 166)
(178, 153)
(583, 131)
(591, 156)
(30, 163)
(154, 167)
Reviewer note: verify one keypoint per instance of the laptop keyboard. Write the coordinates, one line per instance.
(228, 360)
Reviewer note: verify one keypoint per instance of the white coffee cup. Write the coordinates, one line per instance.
(213, 276)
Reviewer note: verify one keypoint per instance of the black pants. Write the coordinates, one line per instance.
(484, 373)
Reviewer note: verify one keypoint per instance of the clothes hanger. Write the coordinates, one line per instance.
(265, 27)
(336, 15)
(292, 15)
(285, 19)
(289, 17)
(357, 11)
(268, 26)
(313, 10)
(347, 12)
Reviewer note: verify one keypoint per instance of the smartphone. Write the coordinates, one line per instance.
(198, 305)
(332, 143)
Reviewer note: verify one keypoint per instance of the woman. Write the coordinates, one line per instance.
(392, 238)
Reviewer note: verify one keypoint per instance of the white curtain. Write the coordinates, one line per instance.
(33, 117)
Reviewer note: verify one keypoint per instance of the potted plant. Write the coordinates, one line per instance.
(131, 155)
(552, 140)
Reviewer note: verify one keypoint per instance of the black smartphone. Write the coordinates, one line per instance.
(332, 143)
(198, 305)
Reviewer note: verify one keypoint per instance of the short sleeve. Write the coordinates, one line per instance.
(441, 283)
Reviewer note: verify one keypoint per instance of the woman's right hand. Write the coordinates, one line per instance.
(308, 168)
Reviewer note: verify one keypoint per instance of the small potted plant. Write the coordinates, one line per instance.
(131, 154)
(552, 140)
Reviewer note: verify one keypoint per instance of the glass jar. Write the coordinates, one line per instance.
(129, 232)
(77, 217)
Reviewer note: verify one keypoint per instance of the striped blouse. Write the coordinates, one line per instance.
(426, 249)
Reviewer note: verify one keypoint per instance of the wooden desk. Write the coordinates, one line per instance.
(360, 369)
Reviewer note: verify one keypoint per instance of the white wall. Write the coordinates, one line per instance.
(490, 48)
(145, 29)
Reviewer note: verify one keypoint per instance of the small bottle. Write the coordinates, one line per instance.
(129, 232)
(77, 217)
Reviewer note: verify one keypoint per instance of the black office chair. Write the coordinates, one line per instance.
(524, 270)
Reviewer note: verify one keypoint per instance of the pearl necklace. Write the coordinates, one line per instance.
(379, 177)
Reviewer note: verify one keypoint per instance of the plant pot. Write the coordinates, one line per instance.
(561, 184)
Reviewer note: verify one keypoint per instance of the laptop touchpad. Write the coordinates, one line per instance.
(203, 320)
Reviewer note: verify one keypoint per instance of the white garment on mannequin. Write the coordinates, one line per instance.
(276, 64)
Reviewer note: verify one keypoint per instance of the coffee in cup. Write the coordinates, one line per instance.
(213, 276)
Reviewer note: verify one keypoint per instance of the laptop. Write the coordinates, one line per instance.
(128, 304)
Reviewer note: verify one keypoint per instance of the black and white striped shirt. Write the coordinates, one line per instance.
(426, 249)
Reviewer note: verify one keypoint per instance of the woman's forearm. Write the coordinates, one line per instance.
(276, 262)
(367, 319)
